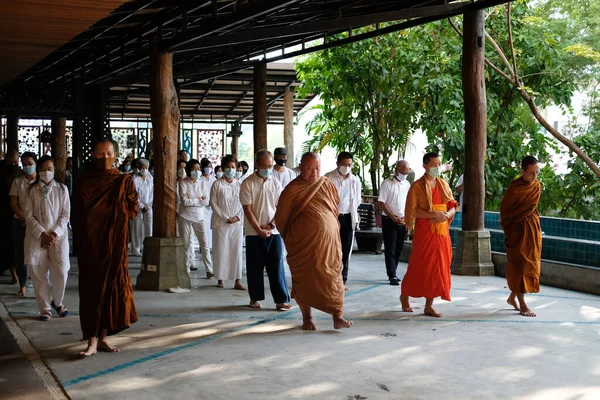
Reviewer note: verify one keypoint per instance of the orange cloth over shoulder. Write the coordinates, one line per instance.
(428, 272)
(104, 202)
(307, 218)
(520, 221)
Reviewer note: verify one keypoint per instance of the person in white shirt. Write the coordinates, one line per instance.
(392, 201)
(227, 225)
(259, 194)
(18, 195)
(349, 190)
(46, 240)
(193, 199)
(141, 226)
(218, 172)
(280, 172)
(460, 190)
(242, 171)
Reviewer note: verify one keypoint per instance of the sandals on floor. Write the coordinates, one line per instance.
(61, 311)
(46, 316)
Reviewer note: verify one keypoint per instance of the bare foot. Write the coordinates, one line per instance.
(308, 325)
(91, 349)
(340, 322)
(239, 286)
(431, 312)
(526, 312)
(283, 306)
(405, 304)
(512, 301)
(255, 304)
(220, 284)
(103, 346)
(22, 291)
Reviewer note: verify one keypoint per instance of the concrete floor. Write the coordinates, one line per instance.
(207, 344)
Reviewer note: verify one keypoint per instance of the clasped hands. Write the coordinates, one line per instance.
(439, 216)
(264, 231)
(48, 239)
(398, 220)
(232, 220)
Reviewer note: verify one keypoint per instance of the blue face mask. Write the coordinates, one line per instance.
(265, 173)
(229, 173)
(195, 175)
(127, 168)
(29, 170)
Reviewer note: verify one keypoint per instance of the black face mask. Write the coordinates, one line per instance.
(280, 162)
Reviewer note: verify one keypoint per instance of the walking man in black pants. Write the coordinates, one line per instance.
(392, 200)
(349, 190)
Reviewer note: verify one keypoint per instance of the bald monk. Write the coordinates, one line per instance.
(520, 222)
(105, 200)
(429, 211)
(307, 218)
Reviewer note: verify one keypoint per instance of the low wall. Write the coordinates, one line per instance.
(561, 275)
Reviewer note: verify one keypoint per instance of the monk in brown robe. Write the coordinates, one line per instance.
(429, 211)
(104, 202)
(307, 218)
(520, 221)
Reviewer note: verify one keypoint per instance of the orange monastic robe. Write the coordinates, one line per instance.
(307, 218)
(104, 203)
(428, 273)
(522, 235)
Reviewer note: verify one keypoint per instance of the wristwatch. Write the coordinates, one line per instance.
(272, 225)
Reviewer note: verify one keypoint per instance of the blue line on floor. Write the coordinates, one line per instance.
(507, 292)
(194, 343)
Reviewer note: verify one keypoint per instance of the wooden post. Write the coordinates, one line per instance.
(475, 120)
(59, 147)
(288, 125)
(260, 107)
(234, 145)
(165, 120)
(12, 132)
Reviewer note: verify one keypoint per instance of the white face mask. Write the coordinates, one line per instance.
(195, 175)
(46, 176)
(344, 170)
(207, 171)
(219, 175)
(401, 177)
(435, 172)
(143, 172)
(238, 174)
(181, 173)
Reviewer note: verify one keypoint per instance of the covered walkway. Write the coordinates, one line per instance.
(208, 344)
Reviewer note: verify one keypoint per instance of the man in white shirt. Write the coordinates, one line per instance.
(280, 172)
(392, 201)
(194, 193)
(259, 194)
(460, 188)
(349, 190)
(141, 226)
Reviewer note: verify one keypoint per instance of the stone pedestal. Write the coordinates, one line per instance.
(473, 254)
(163, 265)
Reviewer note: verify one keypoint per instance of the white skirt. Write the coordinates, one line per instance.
(227, 251)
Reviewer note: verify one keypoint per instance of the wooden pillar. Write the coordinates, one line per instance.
(260, 107)
(473, 254)
(475, 120)
(165, 119)
(288, 125)
(59, 147)
(12, 132)
(234, 145)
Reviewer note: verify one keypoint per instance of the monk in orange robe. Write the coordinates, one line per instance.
(520, 221)
(104, 201)
(307, 218)
(430, 209)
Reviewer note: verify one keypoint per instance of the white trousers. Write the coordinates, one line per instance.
(141, 227)
(200, 229)
(49, 271)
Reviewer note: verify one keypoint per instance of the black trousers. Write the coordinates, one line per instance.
(347, 237)
(393, 241)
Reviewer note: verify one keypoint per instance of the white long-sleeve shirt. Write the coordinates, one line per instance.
(190, 206)
(145, 191)
(349, 189)
(225, 203)
(47, 209)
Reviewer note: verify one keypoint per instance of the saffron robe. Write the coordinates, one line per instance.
(307, 219)
(428, 272)
(520, 222)
(104, 202)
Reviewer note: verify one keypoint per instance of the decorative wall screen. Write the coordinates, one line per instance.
(210, 144)
(126, 138)
(29, 139)
(69, 141)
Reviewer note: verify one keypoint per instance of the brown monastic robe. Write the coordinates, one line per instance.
(307, 218)
(104, 202)
(522, 235)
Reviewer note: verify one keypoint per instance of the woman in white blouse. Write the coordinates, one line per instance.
(227, 225)
(46, 239)
(141, 226)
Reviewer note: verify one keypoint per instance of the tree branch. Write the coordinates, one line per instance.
(512, 46)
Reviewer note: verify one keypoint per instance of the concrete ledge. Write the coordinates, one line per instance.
(561, 275)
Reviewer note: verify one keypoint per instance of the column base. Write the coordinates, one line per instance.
(473, 254)
(163, 265)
